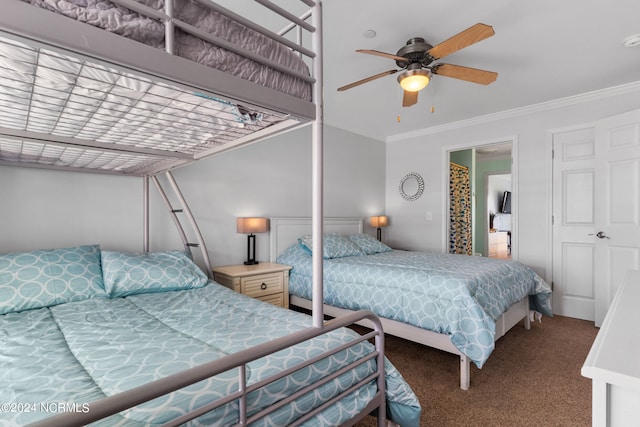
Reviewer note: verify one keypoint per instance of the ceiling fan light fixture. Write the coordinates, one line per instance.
(414, 80)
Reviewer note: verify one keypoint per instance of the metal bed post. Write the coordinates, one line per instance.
(145, 214)
(299, 39)
(317, 177)
(379, 343)
(168, 27)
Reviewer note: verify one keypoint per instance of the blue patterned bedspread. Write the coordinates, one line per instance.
(458, 295)
(78, 352)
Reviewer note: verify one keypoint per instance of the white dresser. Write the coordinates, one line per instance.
(613, 362)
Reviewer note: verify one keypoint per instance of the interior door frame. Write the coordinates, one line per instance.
(446, 150)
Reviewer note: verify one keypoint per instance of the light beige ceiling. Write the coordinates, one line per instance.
(543, 50)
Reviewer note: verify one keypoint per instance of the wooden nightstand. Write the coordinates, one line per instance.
(265, 281)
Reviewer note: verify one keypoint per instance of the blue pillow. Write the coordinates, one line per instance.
(139, 273)
(44, 278)
(334, 245)
(369, 244)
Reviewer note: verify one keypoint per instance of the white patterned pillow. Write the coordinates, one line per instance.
(139, 273)
(369, 244)
(43, 278)
(334, 245)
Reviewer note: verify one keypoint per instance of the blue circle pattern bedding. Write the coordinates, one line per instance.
(458, 295)
(71, 342)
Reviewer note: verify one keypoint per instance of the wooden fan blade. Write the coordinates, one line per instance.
(461, 40)
(367, 80)
(472, 75)
(383, 54)
(409, 98)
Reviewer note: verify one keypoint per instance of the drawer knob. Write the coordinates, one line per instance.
(263, 286)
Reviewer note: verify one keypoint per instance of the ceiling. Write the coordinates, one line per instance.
(543, 50)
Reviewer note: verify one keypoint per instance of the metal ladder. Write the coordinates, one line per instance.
(184, 209)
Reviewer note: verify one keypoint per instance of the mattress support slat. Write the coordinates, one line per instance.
(63, 141)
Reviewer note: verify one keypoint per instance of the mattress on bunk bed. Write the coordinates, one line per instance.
(120, 20)
(458, 295)
(73, 331)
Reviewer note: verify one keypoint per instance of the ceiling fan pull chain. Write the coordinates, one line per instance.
(432, 98)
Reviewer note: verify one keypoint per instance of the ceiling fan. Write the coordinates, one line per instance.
(417, 59)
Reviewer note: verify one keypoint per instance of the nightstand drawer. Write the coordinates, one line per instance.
(275, 299)
(262, 285)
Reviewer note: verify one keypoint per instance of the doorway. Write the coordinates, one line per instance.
(596, 213)
(469, 223)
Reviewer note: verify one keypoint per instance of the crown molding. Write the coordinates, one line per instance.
(516, 112)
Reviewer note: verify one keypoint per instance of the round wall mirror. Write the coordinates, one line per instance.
(411, 186)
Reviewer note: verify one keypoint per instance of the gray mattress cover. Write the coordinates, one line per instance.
(122, 21)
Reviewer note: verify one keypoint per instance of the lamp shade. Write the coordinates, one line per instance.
(414, 80)
(252, 225)
(379, 221)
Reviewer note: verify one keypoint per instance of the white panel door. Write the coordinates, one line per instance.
(617, 205)
(574, 223)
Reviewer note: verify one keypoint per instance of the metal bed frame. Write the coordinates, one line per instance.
(59, 37)
(119, 402)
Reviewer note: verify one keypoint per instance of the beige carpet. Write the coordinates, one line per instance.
(531, 379)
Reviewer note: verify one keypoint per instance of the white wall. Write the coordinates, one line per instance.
(273, 178)
(45, 209)
(424, 154)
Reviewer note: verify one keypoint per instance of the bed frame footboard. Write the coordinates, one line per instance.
(509, 319)
(117, 403)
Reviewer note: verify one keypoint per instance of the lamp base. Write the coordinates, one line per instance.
(251, 250)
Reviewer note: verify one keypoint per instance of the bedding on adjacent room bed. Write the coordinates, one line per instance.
(80, 324)
(457, 295)
(120, 20)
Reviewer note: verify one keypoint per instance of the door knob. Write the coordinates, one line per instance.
(600, 235)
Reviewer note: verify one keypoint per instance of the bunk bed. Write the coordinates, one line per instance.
(138, 88)
(455, 303)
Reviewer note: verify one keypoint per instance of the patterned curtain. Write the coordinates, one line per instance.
(459, 210)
